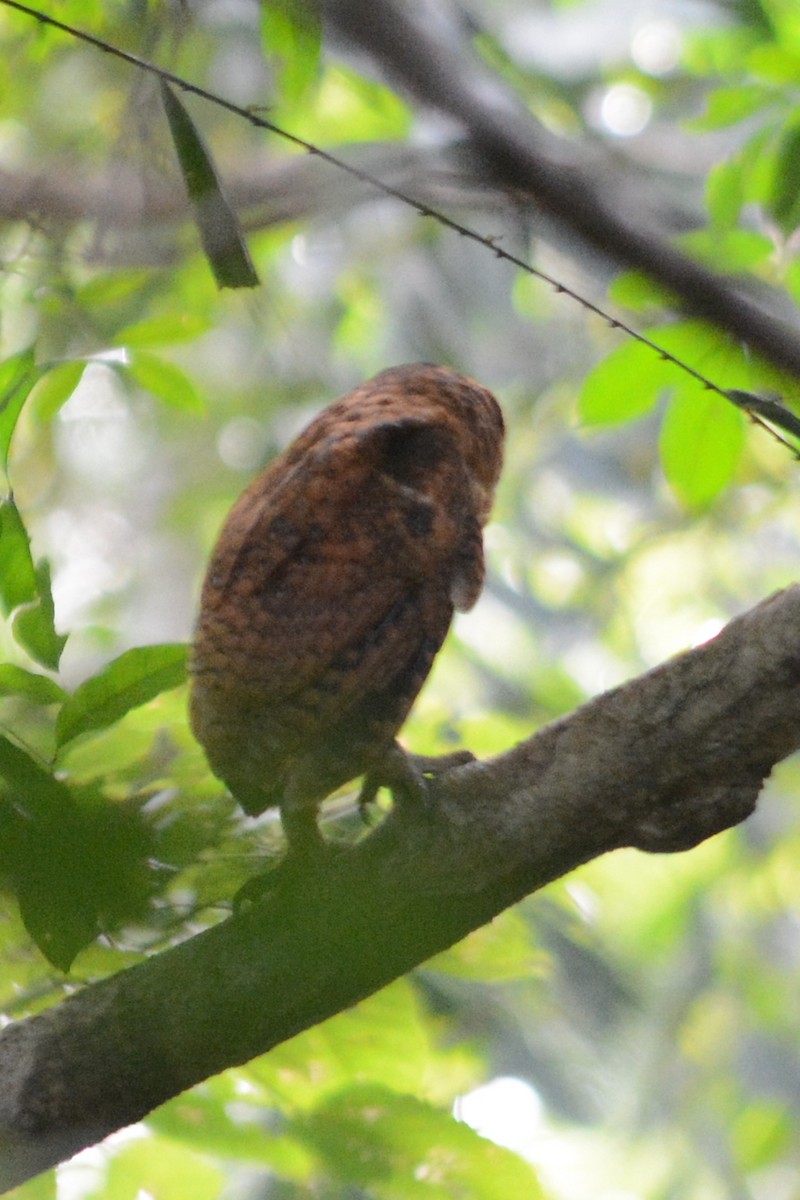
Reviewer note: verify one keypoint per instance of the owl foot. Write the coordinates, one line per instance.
(406, 776)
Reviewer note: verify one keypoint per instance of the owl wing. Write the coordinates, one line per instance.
(319, 551)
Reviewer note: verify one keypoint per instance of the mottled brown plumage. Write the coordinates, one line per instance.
(332, 587)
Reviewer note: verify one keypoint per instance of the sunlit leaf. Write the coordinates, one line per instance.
(624, 386)
(164, 380)
(161, 1168)
(729, 105)
(134, 678)
(498, 952)
(220, 232)
(729, 250)
(388, 1038)
(780, 64)
(291, 34)
(636, 290)
(701, 443)
(373, 1138)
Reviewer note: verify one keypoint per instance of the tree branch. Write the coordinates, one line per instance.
(521, 154)
(147, 211)
(660, 763)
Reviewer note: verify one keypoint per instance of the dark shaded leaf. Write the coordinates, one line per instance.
(77, 864)
(220, 232)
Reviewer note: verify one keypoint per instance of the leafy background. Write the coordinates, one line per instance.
(632, 1032)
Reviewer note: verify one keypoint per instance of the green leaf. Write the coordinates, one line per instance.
(701, 444)
(624, 386)
(202, 1119)
(77, 863)
(134, 678)
(401, 1148)
(17, 377)
(220, 232)
(729, 105)
(291, 34)
(388, 1038)
(496, 953)
(728, 250)
(18, 584)
(163, 330)
(42, 793)
(160, 1168)
(778, 64)
(785, 200)
(16, 681)
(33, 624)
(165, 381)
(55, 387)
(725, 193)
(638, 291)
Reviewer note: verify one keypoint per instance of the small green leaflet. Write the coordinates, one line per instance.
(25, 591)
(17, 571)
(165, 381)
(39, 689)
(18, 374)
(135, 677)
(220, 232)
(33, 625)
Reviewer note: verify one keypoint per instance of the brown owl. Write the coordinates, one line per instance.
(332, 587)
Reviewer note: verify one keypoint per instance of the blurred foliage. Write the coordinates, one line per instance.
(635, 1030)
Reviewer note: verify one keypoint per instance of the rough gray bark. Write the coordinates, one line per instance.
(660, 763)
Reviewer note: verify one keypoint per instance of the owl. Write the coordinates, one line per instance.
(331, 588)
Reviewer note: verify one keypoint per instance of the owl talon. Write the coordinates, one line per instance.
(407, 776)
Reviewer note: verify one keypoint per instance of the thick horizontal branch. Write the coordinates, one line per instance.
(520, 154)
(146, 211)
(660, 763)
